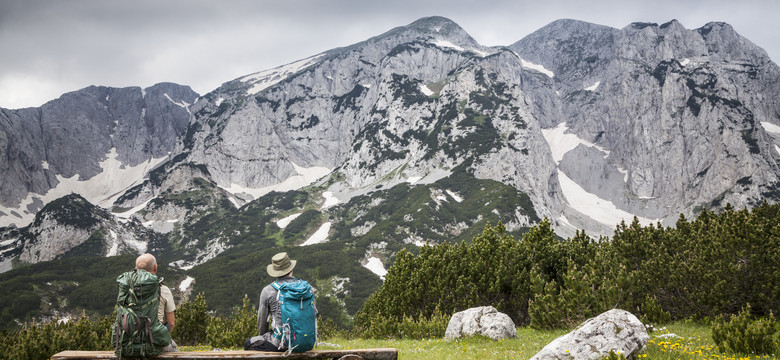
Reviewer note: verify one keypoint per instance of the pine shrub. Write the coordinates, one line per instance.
(744, 334)
(41, 341)
(192, 320)
(232, 331)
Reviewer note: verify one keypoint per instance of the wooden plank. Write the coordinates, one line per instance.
(367, 354)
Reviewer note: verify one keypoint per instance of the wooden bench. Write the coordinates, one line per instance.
(354, 354)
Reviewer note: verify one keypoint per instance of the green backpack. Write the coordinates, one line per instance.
(136, 331)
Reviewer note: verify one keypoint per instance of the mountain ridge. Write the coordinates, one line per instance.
(421, 135)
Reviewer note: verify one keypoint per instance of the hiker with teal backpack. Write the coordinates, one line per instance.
(145, 312)
(289, 302)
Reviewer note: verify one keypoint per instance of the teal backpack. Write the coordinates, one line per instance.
(137, 332)
(299, 322)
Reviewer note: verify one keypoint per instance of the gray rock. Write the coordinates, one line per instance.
(485, 320)
(615, 330)
(72, 135)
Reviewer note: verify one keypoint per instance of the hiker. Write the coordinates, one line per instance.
(167, 306)
(282, 335)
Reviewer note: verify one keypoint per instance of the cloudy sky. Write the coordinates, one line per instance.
(55, 46)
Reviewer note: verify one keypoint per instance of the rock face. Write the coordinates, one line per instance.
(591, 124)
(73, 226)
(486, 321)
(74, 135)
(615, 330)
(596, 124)
(662, 125)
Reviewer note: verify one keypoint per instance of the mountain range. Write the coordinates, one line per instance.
(416, 135)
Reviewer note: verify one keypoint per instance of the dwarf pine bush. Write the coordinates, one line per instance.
(699, 269)
(41, 341)
(744, 334)
(192, 320)
(231, 331)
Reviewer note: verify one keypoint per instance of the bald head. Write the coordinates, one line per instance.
(146, 262)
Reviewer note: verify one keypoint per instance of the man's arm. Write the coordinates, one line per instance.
(168, 306)
(262, 316)
(170, 319)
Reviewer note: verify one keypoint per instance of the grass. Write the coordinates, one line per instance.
(693, 341)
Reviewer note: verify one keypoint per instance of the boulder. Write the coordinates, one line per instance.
(615, 330)
(485, 320)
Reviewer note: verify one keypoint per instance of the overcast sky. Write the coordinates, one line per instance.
(56, 46)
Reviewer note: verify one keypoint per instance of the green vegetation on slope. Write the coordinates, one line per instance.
(711, 266)
(66, 286)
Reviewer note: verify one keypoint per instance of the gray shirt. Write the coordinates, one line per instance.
(269, 307)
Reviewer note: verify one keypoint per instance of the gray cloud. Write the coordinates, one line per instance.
(51, 47)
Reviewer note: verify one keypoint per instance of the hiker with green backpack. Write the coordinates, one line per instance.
(145, 312)
(290, 304)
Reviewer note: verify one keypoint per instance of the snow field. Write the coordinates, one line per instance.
(282, 223)
(537, 67)
(593, 87)
(375, 265)
(603, 211)
(330, 200)
(560, 142)
(101, 190)
(305, 177)
(455, 196)
(772, 128)
(425, 90)
(264, 79)
(186, 284)
(319, 236)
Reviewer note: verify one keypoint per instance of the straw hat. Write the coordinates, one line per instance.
(280, 265)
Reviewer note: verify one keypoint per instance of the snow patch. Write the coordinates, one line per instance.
(127, 214)
(186, 284)
(319, 236)
(114, 244)
(305, 177)
(625, 174)
(5, 251)
(772, 128)
(45, 165)
(8, 242)
(138, 245)
(264, 79)
(685, 62)
(330, 200)
(425, 90)
(777, 148)
(182, 104)
(282, 223)
(565, 221)
(603, 211)
(593, 87)
(455, 196)
(102, 189)
(537, 67)
(375, 265)
(560, 142)
(413, 179)
(446, 44)
(219, 101)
